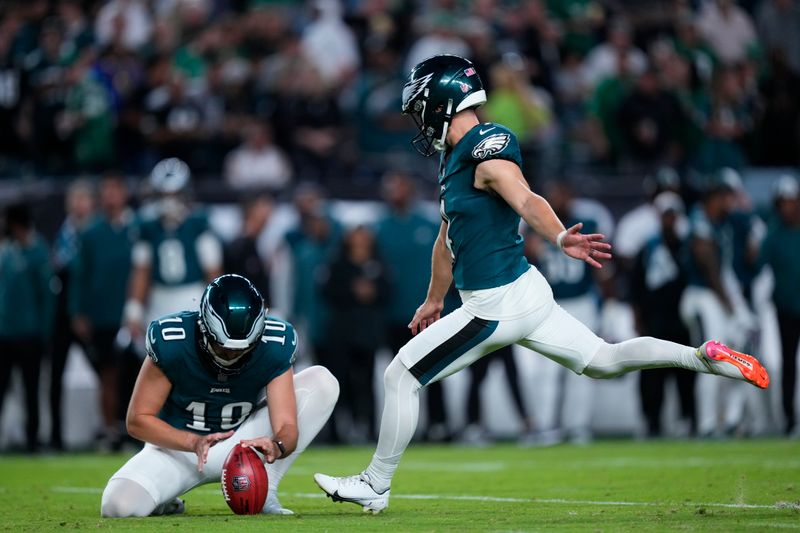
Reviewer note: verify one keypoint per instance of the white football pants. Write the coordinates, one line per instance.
(482, 324)
(569, 395)
(155, 475)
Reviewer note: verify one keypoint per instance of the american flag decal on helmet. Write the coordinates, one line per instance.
(470, 71)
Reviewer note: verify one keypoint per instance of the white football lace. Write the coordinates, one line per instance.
(358, 479)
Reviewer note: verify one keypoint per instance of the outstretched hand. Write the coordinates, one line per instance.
(589, 248)
(427, 314)
(204, 442)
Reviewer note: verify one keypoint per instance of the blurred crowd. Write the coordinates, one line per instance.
(265, 92)
(350, 280)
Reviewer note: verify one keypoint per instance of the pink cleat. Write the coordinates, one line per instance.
(715, 352)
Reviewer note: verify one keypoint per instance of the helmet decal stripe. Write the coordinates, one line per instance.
(413, 88)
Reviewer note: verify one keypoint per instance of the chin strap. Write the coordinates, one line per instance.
(227, 363)
(440, 143)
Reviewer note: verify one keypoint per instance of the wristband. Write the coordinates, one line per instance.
(133, 311)
(560, 239)
(281, 447)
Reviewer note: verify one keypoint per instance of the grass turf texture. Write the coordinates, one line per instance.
(607, 486)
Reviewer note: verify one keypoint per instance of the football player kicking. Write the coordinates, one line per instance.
(198, 394)
(483, 194)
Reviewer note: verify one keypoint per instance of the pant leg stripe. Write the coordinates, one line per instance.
(475, 332)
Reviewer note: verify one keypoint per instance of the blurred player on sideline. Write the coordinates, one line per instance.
(26, 310)
(575, 290)
(97, 292)
(781, 251)
(404, 236)
(201, 391)
(176, 254)
(483, 194)
(657, 285)
(713, 304)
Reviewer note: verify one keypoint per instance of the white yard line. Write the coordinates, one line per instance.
(77, 490)
(496, 499)
(451, 497)
(600, 463)
(424, 466)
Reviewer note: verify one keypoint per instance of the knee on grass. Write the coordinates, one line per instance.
(123, 498)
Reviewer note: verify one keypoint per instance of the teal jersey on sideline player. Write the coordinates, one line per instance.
(26, 301)
(308, 255)
(405, 242)
(781, 251)
(100, 271)
(203, 400)
(482, 229)
(175, 259)
(567, 277)
(742, 225)
(719, 234)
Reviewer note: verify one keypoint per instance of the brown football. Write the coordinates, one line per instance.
(244, 481)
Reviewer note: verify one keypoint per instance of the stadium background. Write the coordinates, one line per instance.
(266, 96)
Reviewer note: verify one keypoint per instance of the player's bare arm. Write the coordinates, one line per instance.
(138, 287)
(142, 421)
(505, 179)
(441, 277)
(282, 407)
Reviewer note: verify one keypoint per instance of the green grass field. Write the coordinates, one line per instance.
(607, 486)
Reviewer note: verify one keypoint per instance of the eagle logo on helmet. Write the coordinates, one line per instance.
(493, 144)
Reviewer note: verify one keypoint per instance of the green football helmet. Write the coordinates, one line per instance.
(437, 89)
(231, 321)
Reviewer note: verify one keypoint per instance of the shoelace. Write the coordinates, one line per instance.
(358, 479)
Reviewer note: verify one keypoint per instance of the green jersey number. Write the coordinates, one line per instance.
(172, 333)
(273, 325)
(232, 415)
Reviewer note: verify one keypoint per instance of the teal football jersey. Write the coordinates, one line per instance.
(202, 399)
(175, 260)
(568, 277)
(482, 229)
(719, 234)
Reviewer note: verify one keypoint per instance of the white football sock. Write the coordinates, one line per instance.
(643, 352)
(398, 423)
